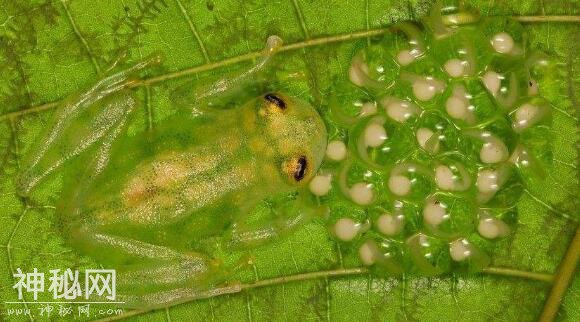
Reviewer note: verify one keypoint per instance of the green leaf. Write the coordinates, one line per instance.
(52, 49)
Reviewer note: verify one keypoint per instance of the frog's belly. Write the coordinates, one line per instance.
(177, 184)
(157, 204)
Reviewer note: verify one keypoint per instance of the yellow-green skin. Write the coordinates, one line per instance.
(220, 166)
(142, 204)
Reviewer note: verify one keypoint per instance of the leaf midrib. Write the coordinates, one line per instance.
(336, 273)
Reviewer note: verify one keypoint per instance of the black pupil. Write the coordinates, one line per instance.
(300, 169)
(275, 100)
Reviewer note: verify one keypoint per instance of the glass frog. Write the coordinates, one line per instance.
(143, 204)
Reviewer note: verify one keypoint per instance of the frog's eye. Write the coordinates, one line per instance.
(274, 101)
(296, 168)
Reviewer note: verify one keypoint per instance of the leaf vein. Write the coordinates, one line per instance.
(193, 30)
(327, 296)
(547, 206)
(573, 166)
(167, 316)
(300, 16)
(564, 112)
(367, 22)
(80, 36)
(248, 308)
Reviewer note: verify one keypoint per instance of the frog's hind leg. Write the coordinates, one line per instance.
(165, 282)
(94, 117)
(148, 274)
(164, 298)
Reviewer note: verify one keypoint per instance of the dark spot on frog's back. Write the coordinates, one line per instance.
(276, 100)
(301, 167)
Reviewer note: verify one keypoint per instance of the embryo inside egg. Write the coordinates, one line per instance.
(453, 119)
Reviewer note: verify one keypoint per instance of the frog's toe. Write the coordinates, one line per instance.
(196, 269)
(167, 297)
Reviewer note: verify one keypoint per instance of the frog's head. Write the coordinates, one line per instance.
(292, 136)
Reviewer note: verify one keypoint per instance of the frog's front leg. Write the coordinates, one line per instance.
(90, 119)
(284, 219)
(206, 99)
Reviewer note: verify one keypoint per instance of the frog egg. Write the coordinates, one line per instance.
(390, 225)
(525, 116)
(492, 228)
(487, 181)
(434, 213)
(347, 229)
(336, 150)
(320, 185)
(493, 151)
(358, 72)
(424, 90)
(457, 107)
(384, 253)
(454, 67)
(502, 42)
(399, 185)
(460, 250)
(453, 177)
(369, 252)
(502, 180)
(424, 252)
(423, 136)
(488, 229)
(368, 108)
(405, 57)
(533, 88)
(375, 135)
(492, 81)
(445, 178)
(526, 162)
(361, 193)
(410, 180)
(399, 110)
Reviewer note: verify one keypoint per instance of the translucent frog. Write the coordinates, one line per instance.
(142, 204)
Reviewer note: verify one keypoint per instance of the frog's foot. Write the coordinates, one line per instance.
(164, 298)
(148, 274)
(163, 282)
(186, 269)
(120, 59)
(159, 284)
(121, 79)
(93, 118)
